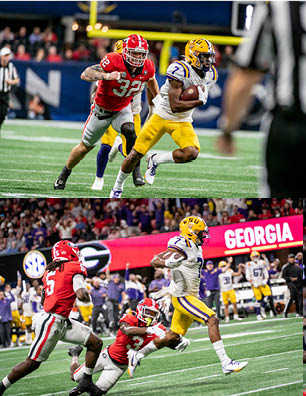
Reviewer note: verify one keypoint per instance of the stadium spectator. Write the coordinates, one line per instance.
(211, 276)
(293, 275)
(40, 55)
(36, 36)
(21, 37)
(53, 56)
(225, 218)
(98, 295)
(158, 282)
(266, 214)
(144, 218)
(21, 53)
(287, 209)
(65, 228)
(274, 269)
(236, 217)
(81, 53)
(5, 318)
(49, 37)
(251, 215)
(6, 35)
(115, 293)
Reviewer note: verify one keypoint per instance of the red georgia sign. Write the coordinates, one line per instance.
(240, 238)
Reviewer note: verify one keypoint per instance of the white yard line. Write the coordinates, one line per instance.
(274, 371)
(208, 376)
(269, 387)
(141, 383)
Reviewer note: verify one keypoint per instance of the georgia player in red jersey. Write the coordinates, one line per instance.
(120, 77)
(136, 331)
(63, 282)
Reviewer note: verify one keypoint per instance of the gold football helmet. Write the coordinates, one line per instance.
(194, 228)
(222, 264)
(255, 256)
(200, 53)
(118, 47)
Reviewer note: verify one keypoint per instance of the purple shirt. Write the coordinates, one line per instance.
(114, 290)
(5, 308)
(212, 278)
(159, 284)
(202, 288)
(97, 295)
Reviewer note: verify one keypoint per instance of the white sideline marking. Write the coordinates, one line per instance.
(235, 335)
(141, 383)
(209, 376)
(273, 371)
(270, 387)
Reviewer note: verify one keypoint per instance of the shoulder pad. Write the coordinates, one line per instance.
(178, 71)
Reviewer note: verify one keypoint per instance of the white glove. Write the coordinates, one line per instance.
(203, 93)
(164, 304)
(182, 345)
(156, 101)
(255, 284)
(264, 282)
(156, 330)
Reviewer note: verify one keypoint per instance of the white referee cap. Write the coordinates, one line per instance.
(5, 51)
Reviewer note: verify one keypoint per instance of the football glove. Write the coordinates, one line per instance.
(156, 330)
(203, 93)
(182, 345)
(164, 304)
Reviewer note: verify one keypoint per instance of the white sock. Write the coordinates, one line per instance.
(75, 359)
(151, 347)
(220, 351)
(121, 178)
(163, 158)
(28, 337)
(236, 316)
(88, 371)
(6, 382)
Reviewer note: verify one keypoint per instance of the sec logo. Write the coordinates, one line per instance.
(34, 264)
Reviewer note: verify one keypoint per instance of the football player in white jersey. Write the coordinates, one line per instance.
(257, 274)
(173, 115)
(227, 290)
(28, 312)
(184, 257)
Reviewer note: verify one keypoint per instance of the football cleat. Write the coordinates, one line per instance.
(233, 366)
(115, 193)
(98, 183)
(133, 362)
(75, 350)
(259, 317)
(151, 169)
(227, 319)
(137, 178)
(115, 149)
(86, 385)
(263, 312)
(60, 182)
(2, 388)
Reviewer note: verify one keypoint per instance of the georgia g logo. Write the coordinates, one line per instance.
(34, 264)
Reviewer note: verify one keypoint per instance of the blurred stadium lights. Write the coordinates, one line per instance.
(75, 26)
(168, 38)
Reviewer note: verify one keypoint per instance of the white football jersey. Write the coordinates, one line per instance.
(26, 304)
(226, 280)
(182, 71)
(257, 272)
(187, 276)
(136, 102)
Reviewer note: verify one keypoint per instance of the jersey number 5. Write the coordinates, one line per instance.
(124, 87)
(50, 283)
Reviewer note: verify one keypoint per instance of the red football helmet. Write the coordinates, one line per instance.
(65, 251)
(147, 311)
(135, 50)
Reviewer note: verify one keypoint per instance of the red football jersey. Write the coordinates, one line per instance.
(58, 285)
(119, 349)
(117, 94)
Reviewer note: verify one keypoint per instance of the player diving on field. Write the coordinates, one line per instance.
(184, 257)
(173, 115)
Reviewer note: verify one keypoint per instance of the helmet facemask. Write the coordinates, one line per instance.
(202, 238)
(147, 314)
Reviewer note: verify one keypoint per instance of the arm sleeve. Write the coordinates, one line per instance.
(78, 282)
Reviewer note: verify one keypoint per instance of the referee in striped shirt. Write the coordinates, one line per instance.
(8, 78)
(276, 44)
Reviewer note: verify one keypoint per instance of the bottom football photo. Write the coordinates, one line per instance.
(180, 296)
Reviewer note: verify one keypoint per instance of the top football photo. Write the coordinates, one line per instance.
(152, 98)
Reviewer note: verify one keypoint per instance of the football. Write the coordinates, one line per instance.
(167, 254)
(190, 93)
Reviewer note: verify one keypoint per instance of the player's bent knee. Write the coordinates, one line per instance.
(94, 343)
(190, 153)
(213, 321)
(83, 149)
(128, 130)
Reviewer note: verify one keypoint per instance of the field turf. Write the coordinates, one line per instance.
(32, 155)
(272, 348)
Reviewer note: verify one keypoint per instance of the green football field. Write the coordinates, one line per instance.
(33, 153)
(272, 348)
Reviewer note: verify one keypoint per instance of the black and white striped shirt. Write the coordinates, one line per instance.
(8, 72)
(277, 43)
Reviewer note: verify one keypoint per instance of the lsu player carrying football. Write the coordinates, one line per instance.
(120, 77)
(227, 289)
(184, 257)
(111, 143)
(136, 331)
(173, 115)
(257, 274)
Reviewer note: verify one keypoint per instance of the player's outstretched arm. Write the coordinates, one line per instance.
(95, 73)
(131, 331)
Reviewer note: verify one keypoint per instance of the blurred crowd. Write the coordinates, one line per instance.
(39, 45)
(27, 224)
